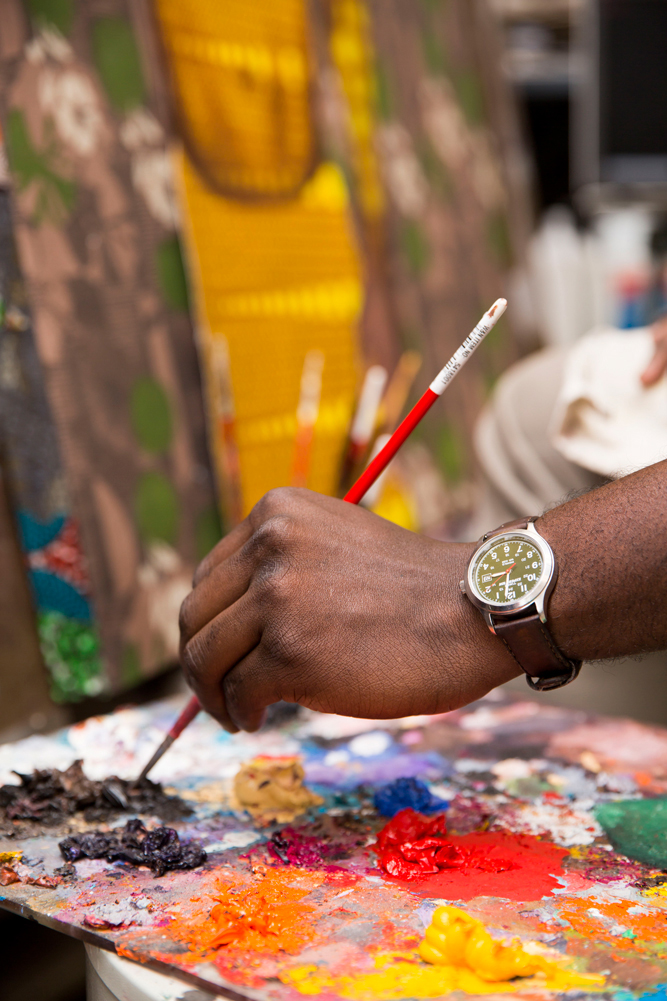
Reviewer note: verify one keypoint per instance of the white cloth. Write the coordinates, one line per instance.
(604, 418)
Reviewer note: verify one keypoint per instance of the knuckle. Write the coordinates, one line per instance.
(274, 533)
(277, 584)
(274, 502)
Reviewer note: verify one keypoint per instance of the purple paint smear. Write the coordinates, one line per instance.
(350, 774)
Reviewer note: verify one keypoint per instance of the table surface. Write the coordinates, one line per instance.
(521, 780)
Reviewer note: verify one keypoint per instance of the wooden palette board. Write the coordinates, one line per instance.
(521, 782)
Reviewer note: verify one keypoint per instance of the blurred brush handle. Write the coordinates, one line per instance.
(186, 717)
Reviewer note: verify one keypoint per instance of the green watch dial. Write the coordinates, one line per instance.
(508, 571)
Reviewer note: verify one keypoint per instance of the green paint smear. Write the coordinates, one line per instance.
(435, 56)
(415, 247)
(437, 174)
(156, 507)
(118, 63)
(130, 667)
(150, 415)
(208, 531)
(383, 91)
(469, 91)
(71, 651)
(450, 453)
(55, 194)
(637, 828)
(171, 274)
(52, 13)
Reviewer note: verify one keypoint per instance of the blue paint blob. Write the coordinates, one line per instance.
(658, 993)
(402, 793)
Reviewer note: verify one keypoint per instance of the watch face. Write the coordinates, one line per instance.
(508, 570)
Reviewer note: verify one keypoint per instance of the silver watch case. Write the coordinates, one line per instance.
(539, 595)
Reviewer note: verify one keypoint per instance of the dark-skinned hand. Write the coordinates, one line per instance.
(318, 602)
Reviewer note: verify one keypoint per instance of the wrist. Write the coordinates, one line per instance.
(480, 661)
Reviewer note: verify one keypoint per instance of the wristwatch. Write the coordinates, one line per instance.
(509, 578)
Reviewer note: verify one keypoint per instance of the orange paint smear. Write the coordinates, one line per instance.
(613, 922)
(262, 916)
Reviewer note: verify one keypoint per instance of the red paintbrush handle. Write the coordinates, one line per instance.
(384, 457)
(186, 717)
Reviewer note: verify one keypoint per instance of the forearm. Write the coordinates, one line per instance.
(315, 601)
(611, 547)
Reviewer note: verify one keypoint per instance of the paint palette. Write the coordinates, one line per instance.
(320, 917)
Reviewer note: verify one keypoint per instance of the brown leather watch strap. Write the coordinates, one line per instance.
(528, 639)
(519, 523)
(531, 644)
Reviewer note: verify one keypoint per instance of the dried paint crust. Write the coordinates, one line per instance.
(160, 849)
(48, 797)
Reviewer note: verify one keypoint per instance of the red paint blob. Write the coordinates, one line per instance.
(411, 846)
(415, 849)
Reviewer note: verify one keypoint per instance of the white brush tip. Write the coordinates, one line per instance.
(498, 308)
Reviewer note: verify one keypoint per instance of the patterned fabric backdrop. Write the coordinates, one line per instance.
(458, 199)
(103, 418)
(351, 181)
(411, 107)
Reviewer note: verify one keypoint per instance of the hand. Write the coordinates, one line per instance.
(658, 364)
(319, 602)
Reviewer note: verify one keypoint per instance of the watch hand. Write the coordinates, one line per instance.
(504, 571)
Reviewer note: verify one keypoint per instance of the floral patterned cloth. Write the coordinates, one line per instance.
(458, 209)
(115, 464)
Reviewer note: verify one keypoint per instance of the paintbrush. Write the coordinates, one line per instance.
(364, 421)
(374, 469)
(306, 416)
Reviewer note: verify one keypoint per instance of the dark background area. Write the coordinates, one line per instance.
(38, 964)
(546, 119)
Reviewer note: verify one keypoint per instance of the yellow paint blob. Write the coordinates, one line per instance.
(454, 938)
(656, 891)
(9, 858)
(461, 955)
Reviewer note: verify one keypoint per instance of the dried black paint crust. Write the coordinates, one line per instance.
(50, 796)
(159, 849)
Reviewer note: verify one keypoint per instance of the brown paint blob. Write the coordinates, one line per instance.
(271, 789)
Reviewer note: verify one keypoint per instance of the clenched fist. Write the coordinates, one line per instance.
(316, 601)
